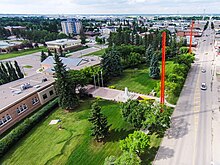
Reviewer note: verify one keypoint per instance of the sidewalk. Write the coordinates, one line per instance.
(118, 95)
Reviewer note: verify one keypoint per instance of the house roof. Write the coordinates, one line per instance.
(69, 62)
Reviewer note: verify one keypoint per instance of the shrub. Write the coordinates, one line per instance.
(112, 87)
(23, 128)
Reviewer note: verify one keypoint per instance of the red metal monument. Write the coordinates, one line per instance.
(191, 34)
(162, 87)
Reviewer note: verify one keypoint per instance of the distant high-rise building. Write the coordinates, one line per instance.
(71, 26)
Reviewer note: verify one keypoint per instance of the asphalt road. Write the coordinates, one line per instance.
(189, 140)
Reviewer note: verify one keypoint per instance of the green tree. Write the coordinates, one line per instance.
(7, 76)
(67, 97)
(82, 36)
(128, 158)
(4, 74)
(154, 67)
(186, 59)
(18, 70)
(134, 59)
(184, 50)
(136, 143)
(110, 160)
(111, 64)
(61, 52)
(148, 55)
(100, 126)
(43, 56)
(133, 112)
(11, 71)
(49, 53)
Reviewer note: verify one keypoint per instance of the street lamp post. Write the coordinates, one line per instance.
(102, 79)
(98, 80)
(94, 81)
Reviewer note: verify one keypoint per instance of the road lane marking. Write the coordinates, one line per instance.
(196, 113)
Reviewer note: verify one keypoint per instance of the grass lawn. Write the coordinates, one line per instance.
(97, 53)
(21, 53)
(138, 80)
(46, 144)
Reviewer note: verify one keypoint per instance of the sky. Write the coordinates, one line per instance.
(109, 6)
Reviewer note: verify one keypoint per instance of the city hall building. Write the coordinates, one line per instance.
(20, 98)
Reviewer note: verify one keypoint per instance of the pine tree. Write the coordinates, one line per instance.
(148, 55)
(111, 64)
(43, 56)
(61, 52)
(18, 70)
(6, 75)
(13, 72)
(9, 71)
(137, 41)
(100, 126)
(67, 97)
(154, 67)
(49, 52)
(2, 80)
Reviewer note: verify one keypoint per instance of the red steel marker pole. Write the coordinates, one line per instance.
(191, 34)
(162, 88)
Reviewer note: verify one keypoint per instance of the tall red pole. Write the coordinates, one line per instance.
(162, 88)
(191, 34)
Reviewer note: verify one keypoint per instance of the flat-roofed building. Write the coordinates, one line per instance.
(11, 28)
(22, 97)
(64, 44)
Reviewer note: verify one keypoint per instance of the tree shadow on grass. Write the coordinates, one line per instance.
(118, 134)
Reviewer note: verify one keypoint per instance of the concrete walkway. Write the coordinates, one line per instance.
(118, 95)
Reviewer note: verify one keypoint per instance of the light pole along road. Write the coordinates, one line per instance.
(189, 140)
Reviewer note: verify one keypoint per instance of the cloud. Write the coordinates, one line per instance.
(108, 6)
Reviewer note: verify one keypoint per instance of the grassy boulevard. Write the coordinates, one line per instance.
(137, 79)
(46, 144)
(21, 53)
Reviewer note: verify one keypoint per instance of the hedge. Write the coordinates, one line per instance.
(23, 128)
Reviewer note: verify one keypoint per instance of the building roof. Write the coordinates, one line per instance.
(12, 93)
(62, 42)
(5, 44)
(69, 62)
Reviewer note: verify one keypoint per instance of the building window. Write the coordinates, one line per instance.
(25, 106)
(35, 100)
(21, 108)
(44, 96)
(18, 111)
(8, 117)
(5, 119)
(51, 92)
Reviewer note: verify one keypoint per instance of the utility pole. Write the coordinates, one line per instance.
(162, 87)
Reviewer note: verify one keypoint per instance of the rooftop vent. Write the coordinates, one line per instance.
(25, 86)
(44, 79)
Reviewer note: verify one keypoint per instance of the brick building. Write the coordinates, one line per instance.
(22, 97)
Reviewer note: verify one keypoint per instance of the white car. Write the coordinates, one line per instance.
(203, 70)
(203, 86)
